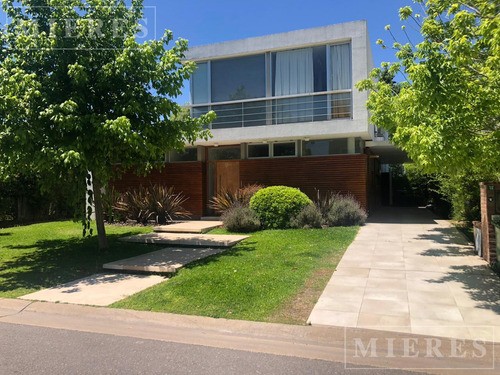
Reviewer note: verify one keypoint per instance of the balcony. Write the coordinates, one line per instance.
(312, 107)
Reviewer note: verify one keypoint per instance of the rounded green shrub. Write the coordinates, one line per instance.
(240, 219)
(276, 205)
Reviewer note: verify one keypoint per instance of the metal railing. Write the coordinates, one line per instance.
(280, 110)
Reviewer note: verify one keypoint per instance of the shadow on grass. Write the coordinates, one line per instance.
(53, 262)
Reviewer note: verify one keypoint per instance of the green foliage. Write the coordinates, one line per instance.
(156, 202)
(346, 211)
(240, 219)
(276, 205)
(228, 198)
(309, 217)
(446, 113)
(98, 101)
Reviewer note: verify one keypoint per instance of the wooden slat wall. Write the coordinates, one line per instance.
(188, 178)
(340, 173)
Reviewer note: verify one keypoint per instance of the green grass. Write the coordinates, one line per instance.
(252, 281)
(39, 256)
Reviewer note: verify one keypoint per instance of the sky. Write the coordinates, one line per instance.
(205, 22)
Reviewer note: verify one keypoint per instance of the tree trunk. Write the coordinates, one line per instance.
(99, 218)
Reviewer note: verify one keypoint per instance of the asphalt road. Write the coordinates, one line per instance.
(37, 350)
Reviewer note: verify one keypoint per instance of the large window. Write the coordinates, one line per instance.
(189, 154)
(284, 149)
(258, 151)
(324, 147)
(238, 79)
(224, 153)
(299, 85)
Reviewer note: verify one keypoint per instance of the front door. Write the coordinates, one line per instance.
(227, 176)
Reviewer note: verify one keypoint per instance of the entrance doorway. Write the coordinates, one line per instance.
(223, 176)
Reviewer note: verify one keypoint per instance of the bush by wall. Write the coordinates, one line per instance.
(241, 219)
(346, 211)
(309, 217)
(276, 205)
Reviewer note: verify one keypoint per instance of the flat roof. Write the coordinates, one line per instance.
(292, 39)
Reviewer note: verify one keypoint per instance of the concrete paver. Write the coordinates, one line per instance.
(189, 226)
(415, 274)
(186, 239)
(162, 261)
(99, 290)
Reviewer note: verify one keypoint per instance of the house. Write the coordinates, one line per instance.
(287, 114)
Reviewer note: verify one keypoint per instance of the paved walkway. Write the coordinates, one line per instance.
(409, 272)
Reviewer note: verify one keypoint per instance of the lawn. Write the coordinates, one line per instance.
(40, 256)
(275, 275)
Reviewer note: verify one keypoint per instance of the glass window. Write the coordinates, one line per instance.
(258, 151)
(228, 116)
(359, 145)
(224, 153)
(341, 105)
(254, 113)
(319, 61)
(284, 149)
(189, 154)
(239, 78)
(199, 82)
(324, 147)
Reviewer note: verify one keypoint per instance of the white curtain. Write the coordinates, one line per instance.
(341, 66)
(294, 75)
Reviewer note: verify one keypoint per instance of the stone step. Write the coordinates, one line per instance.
(167, 260)
(191, 226)
(186, 239)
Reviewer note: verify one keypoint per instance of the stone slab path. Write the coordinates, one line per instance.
(186, 239)
(101, 289)
(409, 272)
(162, 261)
(189, 226)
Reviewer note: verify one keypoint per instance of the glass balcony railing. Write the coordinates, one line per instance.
(285, 110)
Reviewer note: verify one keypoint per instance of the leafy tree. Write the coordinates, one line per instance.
(446, 114)
(80, 95)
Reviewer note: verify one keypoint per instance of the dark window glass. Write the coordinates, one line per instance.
(258, 151)
(359, 145)
(228, 116)
(319, 62)
(324, 147)
(198, 111)
(189, 154)
(284, 149)
(200, 84)
(254, 113)
(224, 153)
(239, 78)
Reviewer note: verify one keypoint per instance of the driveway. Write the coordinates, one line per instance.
(407, 271)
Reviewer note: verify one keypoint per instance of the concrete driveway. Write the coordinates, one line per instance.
(407, 271)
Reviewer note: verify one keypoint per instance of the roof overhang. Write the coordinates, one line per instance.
(387, 152)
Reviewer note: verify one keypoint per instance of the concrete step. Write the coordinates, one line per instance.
(186, 239)
(191, 226)
(167, 260)
(101, 289)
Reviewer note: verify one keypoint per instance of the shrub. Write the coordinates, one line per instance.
(241, 219)
(346, 211)
(276, 205)
(309, 217)
(227, 198)
(324, 202)
(156, 202)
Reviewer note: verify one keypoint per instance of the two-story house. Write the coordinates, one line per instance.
(287, 114)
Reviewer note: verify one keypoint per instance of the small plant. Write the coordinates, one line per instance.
(227, 198)
(309, 217)
(110, 200)
(276, 205)
(325, 202)
(157, 202)
(346, 211)
(241, 219)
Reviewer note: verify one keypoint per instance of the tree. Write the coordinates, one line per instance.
(80, 95)
(446, 114)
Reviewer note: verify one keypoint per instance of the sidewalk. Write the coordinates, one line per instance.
(409, 272)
